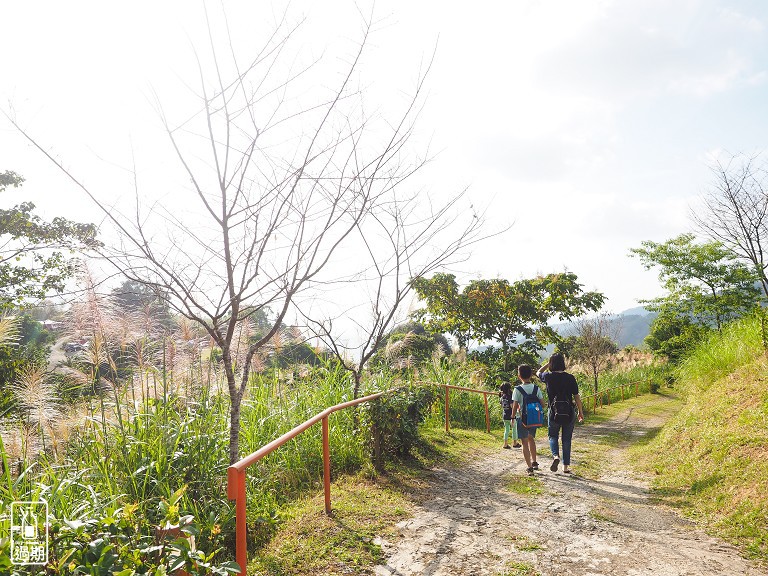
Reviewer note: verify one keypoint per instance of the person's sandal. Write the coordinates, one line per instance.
(535, 465)
(507, 447)
(517, 445)
(555, 463)
(530, 471)
(566, 470)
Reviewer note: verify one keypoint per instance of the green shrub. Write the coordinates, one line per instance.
(395, 417)
(120, 542)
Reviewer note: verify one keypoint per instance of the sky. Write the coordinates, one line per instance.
(587, 127)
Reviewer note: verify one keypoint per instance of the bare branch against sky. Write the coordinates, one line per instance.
(277, 183)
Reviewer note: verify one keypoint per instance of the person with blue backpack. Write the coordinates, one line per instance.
(527, 399)
(563, 393)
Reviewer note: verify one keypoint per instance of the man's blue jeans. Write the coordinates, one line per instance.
(554, 433)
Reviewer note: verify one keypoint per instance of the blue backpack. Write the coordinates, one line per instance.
(531, 409)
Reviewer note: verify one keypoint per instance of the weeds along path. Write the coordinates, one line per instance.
(477, 521)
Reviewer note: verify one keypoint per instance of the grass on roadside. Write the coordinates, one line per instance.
(711, 460)
(310, 542)
(605, 434)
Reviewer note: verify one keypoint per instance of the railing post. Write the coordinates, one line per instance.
(447, 408)
(326, 466)
(487, 415)
(236, 492)
(622, 393)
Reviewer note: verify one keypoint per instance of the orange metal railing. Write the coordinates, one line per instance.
(485, 393)
(236, 472)
(603, 397)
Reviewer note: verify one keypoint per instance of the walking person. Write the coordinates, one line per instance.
(527, 400)
(563, 393)
(505, 399)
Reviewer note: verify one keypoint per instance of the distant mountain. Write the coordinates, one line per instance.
(634, 326)
(636, 311)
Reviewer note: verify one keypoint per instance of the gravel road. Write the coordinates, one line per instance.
(473, 525)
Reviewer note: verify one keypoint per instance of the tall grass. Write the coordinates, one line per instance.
(658, 374)
(709, 459)
(467, 408)
(722, 353)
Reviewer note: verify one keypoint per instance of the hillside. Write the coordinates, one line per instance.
(633, 326)
(711, 459)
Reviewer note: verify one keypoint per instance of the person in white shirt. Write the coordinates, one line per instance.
(526, 434)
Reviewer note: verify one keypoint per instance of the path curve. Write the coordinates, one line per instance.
(473, 526)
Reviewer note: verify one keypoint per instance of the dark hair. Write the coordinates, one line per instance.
(524, 371)
(557, 362)
(506, 388)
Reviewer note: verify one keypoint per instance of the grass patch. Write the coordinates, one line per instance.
(586, 458)
(519, 569)
(458, 446)
(711, 460)
(525, 544)
(310, 542)
(603, 512)
(525, 485)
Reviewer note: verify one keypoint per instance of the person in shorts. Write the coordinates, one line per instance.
(527, 435)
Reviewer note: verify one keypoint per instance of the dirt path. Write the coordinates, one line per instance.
(474, 525)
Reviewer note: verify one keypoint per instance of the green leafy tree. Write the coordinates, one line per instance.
(704, 280)
(513, 314)
(30, 345)
(138, 298)
(33, 252)
(672, 335)
(410, 343)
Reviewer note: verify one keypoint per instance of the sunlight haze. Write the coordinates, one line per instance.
(588, 126)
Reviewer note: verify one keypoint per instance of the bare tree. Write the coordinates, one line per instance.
(736, 211)
(276, 199)
(595, 341)
(405, 239)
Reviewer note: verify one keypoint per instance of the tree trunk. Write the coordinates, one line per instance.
(355, 393)
(505, 354)
(235, 398)
(356, 388)
(594, 373)
(234, 429)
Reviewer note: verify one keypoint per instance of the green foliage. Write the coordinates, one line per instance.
(704, 280)
(708, 460)
(32, 347)
(117, 542)
(718, 355)
(502, 366)
(515, 315)
(394, 419)
(673, 336)
(33, 258)
(292, 354)
(136, 298)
